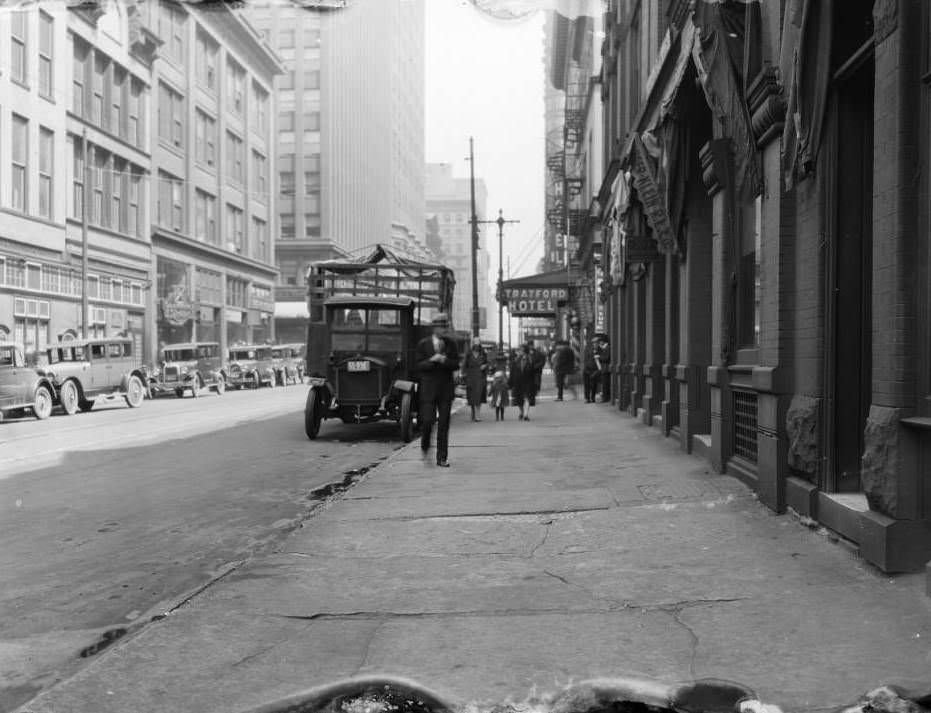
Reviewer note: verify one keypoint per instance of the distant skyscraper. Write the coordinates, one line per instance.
(448, 209)
(351, 130)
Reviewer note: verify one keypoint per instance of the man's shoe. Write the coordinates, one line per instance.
(442, 463)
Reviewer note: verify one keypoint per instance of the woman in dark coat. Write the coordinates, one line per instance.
(523, 381)
(474, 368)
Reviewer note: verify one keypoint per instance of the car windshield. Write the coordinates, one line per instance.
(180, 355)
(242, 354)
(362, 318)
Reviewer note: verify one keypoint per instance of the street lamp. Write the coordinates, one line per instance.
(501, 222)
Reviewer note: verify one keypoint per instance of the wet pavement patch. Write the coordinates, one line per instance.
(109, 637)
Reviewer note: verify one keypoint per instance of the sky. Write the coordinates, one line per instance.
(485, 79)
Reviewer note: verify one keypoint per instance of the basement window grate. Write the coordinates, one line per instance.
(745, 433)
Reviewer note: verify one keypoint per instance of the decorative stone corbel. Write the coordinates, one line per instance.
(715, 157)
(767, 107)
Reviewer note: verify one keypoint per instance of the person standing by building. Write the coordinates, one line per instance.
(563, 367)
(475, 368)
(436, 360)
(604, 362)
(590, 370)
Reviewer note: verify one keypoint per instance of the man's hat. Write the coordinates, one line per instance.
(440, 320)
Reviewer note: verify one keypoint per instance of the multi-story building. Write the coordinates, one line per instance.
(351, 131)
(212, 141)
(449, 207)
(74, 144)
(767, 231)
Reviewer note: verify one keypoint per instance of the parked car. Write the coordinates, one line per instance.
(289, 363)
(88, 371)
(251, 365)
(190, 367)
(22, 388)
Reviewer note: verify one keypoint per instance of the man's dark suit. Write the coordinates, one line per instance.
(437, 391)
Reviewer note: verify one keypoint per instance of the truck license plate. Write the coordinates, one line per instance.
(359, 366)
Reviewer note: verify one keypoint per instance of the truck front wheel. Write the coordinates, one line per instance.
(312, 415)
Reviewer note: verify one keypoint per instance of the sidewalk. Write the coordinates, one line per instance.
(579, 544)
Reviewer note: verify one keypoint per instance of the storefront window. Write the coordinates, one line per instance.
(175, 310)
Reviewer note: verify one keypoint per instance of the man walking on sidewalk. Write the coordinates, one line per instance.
(563, 367)
(436, 359)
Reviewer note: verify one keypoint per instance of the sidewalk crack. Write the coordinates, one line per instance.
(368, 647)
(546, 534)
(677, 617)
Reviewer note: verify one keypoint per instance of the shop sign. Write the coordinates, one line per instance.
(177, 308)
(535, 301)
(640, 248)
(651, 196)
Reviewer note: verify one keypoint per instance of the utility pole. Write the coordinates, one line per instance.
(500, 222)
(85, 303)
(474, 221)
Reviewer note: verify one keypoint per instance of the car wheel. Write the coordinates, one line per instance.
(179, 393)
(42, 403)
(68, 396)
(273, 382)
(135, 392)
(86, 405)
(312, 415)
(221, 386)
(256, 381)
(407, 418)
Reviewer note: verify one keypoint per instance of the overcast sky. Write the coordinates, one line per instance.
(485, 79)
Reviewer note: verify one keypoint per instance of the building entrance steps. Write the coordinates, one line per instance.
(580, 544)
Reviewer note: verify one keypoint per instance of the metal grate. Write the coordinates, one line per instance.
(745, 434)
(359, 387)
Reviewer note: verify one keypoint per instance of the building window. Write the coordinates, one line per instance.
(135, 132)
(259, 239)
(312, 37)
(234, 229)
(259, 109)
(134, 217)
(311, 183)
(235, 292)
(312, 121)
(170, 202)
(286, 80)
(286, 39)
(18, 36)
(312, 79)
(118, 174)
(117, 125)
(748, 277)
(205, 217)
(20, 152)
(286, 121)
(77, 179)
(260, 176)
(100, 213)
(205, 138)
(79, 76)
(46, 158)
(286, 175)
(312, 225)
(170, 116)
(101, 82)
(46, 47)
(207, 284)
(172, 31)
(234, 157)
(237, 86)
(287, 226)
(206, 61)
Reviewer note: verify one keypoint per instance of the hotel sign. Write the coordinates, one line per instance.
(651, 196)
(535, 301)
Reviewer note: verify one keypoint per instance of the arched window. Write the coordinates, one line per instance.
(4, 333)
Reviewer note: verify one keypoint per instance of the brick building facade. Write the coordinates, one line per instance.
(764, 222)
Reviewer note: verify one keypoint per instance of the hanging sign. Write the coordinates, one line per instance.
(535, 301)
(651, 196)
(177, 308)
(640, 248)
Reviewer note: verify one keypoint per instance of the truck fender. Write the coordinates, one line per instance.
(124, 382)
(404, 386)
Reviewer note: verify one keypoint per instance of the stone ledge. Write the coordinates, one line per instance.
(802, 496)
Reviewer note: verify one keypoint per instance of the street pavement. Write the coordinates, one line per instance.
(579, 544)
(116, 516)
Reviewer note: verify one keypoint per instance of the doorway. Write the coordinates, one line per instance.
(850, 250)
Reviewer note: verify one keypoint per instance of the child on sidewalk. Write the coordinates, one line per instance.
(499, 394)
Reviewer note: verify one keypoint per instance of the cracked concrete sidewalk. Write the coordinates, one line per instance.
(576, 545)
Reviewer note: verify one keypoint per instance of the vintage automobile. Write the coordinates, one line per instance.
(289, 363)
(89, 371)
(22, 388)
(252, 366)
(361, 370)
(190, 367)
